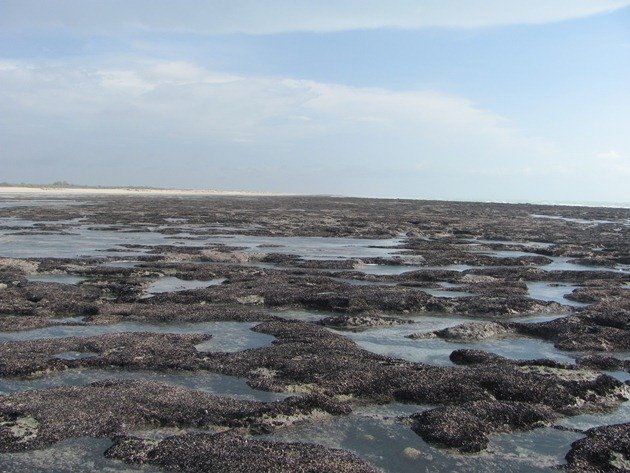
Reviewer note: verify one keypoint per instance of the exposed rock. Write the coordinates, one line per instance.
(467, 427)
(600, 362)
(201, 453)
(35, 419)
(362, 321)
(604, 449)
(136, 350)
(468, 332)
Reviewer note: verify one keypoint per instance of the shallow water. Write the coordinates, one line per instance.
(507, 253)
(392, 341)
(529, 244)
(390, 444)
(553, 292)
(452, 267)
(58, 278)
(98, 240)
(316, 248)
(301, 315)
(588, 421)
(561, 263)
(445, 293)
(78, 455)
(120, 264)
(82, 242)
(221, 385)
(581, 220)
(173, 284)
(226, 336)
(7, 203)
(387, 269)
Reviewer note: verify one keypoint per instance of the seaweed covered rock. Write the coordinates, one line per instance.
(604, 449)
(35, 419)
(205, 453)
(467, 426)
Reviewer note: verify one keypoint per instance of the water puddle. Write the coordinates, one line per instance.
(391, 445)
(582, 221)
(312, 248)
(69, 456)
(74, 355)
(387, 269)
(561, 263)
(57, 278)
(445, 293)
(392, 341)
(226, 336)
(120, 264)
(212, 383)
(587, 421)
(173, 284)
(301, 315)
(528, 244)
(553, 292)
(101, 240)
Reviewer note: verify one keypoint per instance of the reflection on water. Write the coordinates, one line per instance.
(226, 336)
(312, 248)
(221, 385)
(99, 240)
(561, 263)
(68, 456)
(582, 221)
(390, 444)
(173, 284)
(120, 264)
(528, 244)
(553, 292)
(301, 315)
(58, 278)
(445, 293)
(392, 341)
(387, 269)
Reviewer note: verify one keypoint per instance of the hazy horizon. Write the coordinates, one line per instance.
(484, 101)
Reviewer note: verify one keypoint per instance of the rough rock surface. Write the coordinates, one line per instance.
(467, 332)
(466, 427)
(201, 453)
(604, 449)
(35, 419)
(137, 350)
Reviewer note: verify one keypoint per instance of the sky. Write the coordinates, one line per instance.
(504, 100)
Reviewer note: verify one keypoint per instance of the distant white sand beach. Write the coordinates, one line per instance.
(128, 191)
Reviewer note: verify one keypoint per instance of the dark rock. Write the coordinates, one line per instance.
(604, 449)
(201, 453)
(466, 427)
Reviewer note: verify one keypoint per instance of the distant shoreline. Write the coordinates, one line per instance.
(54, 190)
(127, 191)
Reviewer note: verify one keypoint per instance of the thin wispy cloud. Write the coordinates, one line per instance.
(281, 16)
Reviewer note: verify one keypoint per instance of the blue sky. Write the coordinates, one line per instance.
(483, 100)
